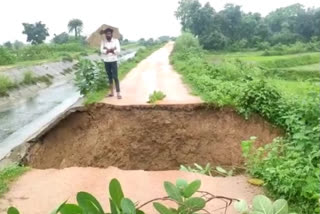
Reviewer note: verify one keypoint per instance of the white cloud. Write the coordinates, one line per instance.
(136, 19)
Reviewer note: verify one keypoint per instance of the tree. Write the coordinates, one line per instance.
(17, 44)
(61, 38)
(8, 45)
(36, 33)
(75, 25)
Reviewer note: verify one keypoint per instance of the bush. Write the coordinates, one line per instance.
(66, 58)
(5, 85)
(29, 78)
(6, 57)
(90, 76)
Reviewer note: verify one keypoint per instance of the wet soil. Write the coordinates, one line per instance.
(148, 137)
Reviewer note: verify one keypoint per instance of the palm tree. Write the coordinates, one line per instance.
(76, 26)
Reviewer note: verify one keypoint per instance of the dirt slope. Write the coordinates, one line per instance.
(146, 137)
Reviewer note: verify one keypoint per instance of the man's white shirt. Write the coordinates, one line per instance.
(110, 57)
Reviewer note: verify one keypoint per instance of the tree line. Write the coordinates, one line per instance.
(232, 28)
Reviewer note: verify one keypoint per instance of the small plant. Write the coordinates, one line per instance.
(66, 58)
(156, 96)
(29, 78)
(90, 76)
(262, 205)
(9, 174)
(206, 170)
(5, 85)
(198, 169)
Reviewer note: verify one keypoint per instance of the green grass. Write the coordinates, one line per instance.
(296, 88)
(310, 67)
(8, 175)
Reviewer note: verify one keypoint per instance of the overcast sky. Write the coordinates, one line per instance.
(135, 18)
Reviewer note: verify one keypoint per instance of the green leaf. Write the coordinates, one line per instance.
(127, 206)
(113, 207)
(89, 203)
(139, 212)
(57, 210)
(70, 209)
(280, 206)
(116, 192)
(194, 204)
(13, 210)
(181, 184)
(192, 188)
(161, 208)
(172, 191)
(262, 205)
(221, 170)
(241, 206)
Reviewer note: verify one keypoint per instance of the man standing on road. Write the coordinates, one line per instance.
(110, 49)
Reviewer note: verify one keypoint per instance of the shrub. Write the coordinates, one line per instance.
(90, 76)
(67, 58)
(29, 78)
(5, 85)
(6, 57)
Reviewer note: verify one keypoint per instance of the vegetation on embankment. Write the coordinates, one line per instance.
(291, 167)
(29, 78)
(9, 174)
(91, 77)
(41, 52)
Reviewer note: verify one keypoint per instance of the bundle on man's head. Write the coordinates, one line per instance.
(106, 31)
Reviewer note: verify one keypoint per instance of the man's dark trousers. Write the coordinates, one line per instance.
(112, 71)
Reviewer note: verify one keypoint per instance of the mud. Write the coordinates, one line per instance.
(147, 137)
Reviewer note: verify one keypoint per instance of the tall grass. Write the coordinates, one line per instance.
(5, 85)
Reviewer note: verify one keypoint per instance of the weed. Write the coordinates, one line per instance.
(156, 96)
(9, 174)
(6, 84)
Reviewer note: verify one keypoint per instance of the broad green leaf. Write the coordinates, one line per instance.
(127, 206)
(192, 188)
(161, 208)
(194, 204)
(89, 203)
(262, 204)
(241, 206)
(113, 207)
(70, 209)
(139, 212)
(13, 210)
(181, 184)
(280, 206)
(172, 191)
(115, 191)
(57, 210)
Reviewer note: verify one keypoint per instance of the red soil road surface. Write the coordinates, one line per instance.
(154, 73)
(40, 191)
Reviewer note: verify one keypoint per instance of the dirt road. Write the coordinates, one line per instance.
(40, 191)
(154, 73)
